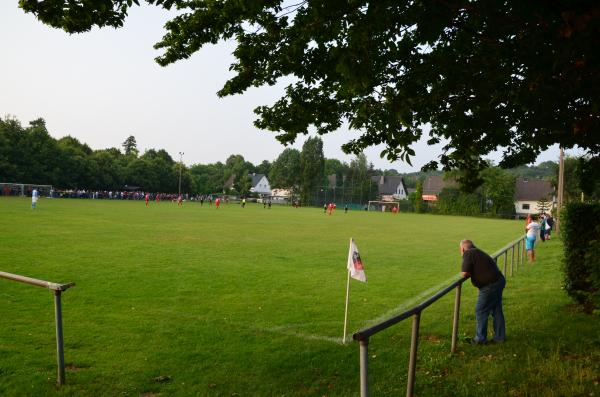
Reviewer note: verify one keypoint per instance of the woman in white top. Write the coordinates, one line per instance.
(532, 229)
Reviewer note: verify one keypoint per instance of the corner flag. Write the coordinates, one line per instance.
(356, 271)
(355, 265)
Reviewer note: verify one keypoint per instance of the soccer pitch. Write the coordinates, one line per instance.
(200, 301)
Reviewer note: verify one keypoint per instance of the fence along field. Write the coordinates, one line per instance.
(199, 301)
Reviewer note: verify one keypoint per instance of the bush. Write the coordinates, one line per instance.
(581, 235)
(452, 201)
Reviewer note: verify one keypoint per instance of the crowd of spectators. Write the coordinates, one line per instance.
(15, 190)
(125, 195)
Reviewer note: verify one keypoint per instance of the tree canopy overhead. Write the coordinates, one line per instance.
(515, 74)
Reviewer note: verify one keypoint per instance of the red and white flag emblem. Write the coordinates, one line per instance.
(355, 265)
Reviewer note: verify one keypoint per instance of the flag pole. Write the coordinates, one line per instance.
(347, 296)
(346, 312)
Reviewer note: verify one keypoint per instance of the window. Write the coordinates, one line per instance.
(525, 206)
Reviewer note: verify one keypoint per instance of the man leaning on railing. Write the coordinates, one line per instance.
(486, 276)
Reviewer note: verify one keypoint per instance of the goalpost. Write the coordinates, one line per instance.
(384, 206)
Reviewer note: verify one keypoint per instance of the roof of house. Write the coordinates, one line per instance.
(435, 183)
(388, 184)
(533, 189)
(256, 178)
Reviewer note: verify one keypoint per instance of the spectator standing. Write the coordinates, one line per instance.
(486, 276)
(532, 230)
(549, 226)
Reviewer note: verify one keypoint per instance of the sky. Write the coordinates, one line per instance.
(103, 86)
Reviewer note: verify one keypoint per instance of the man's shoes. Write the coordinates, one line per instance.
(497, 341)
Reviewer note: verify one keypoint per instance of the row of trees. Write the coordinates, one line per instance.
(30, 155)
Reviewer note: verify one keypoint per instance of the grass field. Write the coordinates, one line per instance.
(250, 302)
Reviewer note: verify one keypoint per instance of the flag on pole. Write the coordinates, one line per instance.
(355, 265)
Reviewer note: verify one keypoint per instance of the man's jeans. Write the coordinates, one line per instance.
(489, 302)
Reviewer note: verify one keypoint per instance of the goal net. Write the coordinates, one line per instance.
(24, 189)
(384, 206)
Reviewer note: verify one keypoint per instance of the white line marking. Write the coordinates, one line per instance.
(292, 329)
(410, 302)
(289, 330)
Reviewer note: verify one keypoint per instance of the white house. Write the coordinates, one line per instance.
(529, 191)
(390, 187)
(260, 184)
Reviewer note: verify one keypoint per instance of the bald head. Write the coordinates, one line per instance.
(466, 245)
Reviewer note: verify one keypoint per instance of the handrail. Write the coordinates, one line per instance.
(508, 246)
(363, 336)
(365, 333)
(58, 289)
(35, 281)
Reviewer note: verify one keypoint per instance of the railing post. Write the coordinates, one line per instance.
(364, 367)
(505, 256)
(512, 260)
(412, 364)
(455, 320)
(518, 254)
(60, 357)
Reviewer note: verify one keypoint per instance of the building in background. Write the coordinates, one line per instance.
(260, 185)
(529, 191)
(391, 187)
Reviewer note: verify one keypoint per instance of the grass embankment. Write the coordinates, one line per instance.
(250, 302)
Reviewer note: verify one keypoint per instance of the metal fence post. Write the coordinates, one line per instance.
(414, 341)
(364, 367)
(455, 320)
(505, 256)
(60, 357)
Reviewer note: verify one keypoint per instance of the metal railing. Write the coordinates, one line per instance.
(517, 247)
(58, 289)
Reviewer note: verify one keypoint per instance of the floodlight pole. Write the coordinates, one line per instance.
(180, 167)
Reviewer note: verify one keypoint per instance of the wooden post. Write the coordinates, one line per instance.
(561, 187)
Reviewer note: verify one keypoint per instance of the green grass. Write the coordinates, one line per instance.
(250, 302)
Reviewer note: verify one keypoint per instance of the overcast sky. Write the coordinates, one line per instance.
(102, 86)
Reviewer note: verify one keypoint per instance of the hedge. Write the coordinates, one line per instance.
(580, 231)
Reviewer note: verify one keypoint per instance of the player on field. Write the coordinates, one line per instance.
(34, 198)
